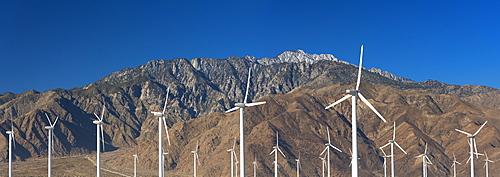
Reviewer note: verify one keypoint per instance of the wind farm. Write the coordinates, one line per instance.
(312, 140)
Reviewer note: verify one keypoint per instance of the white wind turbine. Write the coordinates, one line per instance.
(135, 164)
(51, 142)
(354, 94)
(241, 107)
(298, 165)
(486, 161)
(385, 162)
(454, 166)
(327, 150)
(254, 166)
(161, 116)
(275, 151)
(425, 161)
(12, 141)
(323, 162)
(195, 158)
(392, 143)
(233, 157)
(472, 145)
(100, 137)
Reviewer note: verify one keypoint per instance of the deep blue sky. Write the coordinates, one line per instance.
(66, 44)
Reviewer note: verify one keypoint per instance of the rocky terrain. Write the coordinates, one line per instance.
(296, 86)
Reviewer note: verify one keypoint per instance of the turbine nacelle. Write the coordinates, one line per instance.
(158, 114)
(49, 127)
(9, 132)
(352, 92)
(97, 122)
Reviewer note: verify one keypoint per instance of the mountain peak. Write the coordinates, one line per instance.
(298, 56)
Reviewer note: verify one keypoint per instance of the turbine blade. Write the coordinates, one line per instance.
(419, 155)
(272, 151)
(197, 159)
(380, 149)
(425, 151)
(166, 129)
(57, 118)
(468, 134)
(166, 99)
(360, 67)
(454, 158)
(385, 145)
(338, 101)
(400, 147)
(254, 104)
(371, 107)
(324, 151)
(234, 154)
(196, 146)
(475, 147)
(468, 159)
(234, 144)
(102, 113)
(102, 138)
(480, 128)
(429, 160)
(98, 118)
(328, 133)
(394, 132)
(335, 148)
(232, 109)
(50, 123)
(281, 152)
(248, 84)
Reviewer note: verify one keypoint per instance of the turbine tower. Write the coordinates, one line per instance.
(51, 142)
(425, 161)
(327, 150)
(486, 161)
(298, 165)
(100, 137)
(195, 158)
(275, 151)
(323, 165)
(135, 164)
(12, 141)
(161, 116)
(233, 157)
(254, 166)
(454, 166)
(241, 107)
(354, 94)
(392, 143)
(385, 162)
(472, 145)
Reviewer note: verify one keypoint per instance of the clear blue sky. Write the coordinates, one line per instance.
(66, 44)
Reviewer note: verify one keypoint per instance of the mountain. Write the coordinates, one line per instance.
(296, 85)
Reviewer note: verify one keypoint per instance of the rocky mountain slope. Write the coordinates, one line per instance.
(201, 88)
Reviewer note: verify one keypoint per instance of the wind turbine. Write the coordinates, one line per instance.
(354, 94)
(12, 140)
(135, 164)
(161, 115)
(254, 166)
(385, 162)
(100, 134)
(327, 150)
(454, 166)
(298, 165)
(195, 158)
(425, 161)
(486, 161)
(51, 141)
(392, 143)
(323, 165)
(275, 151)
(242, 106)
(233, 156)
(472, 145)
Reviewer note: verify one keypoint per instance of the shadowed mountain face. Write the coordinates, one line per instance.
(296, 93)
